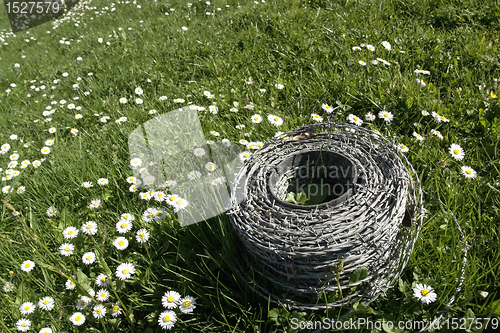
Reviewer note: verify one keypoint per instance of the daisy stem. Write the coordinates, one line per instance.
(119, 300)
(103, 326)
(3, 324)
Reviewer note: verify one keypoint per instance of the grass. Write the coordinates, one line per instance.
(307, 47)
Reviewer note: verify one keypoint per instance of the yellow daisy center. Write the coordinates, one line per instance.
(83, 303)
(71, 283)
(356, 118)
(150, 215)
(179, 202)
(9, 287)
(103, 295)
(116, 308)
(187, 304)
(468, 172)
(26, 307)
(425, 292)
(456, 151)
(386, 115)
(125, 271)
(246, 155)
(46, 302)
(52, 211)
(89, 257)
(89, 226)
(103, 279)
(141, 235)
(170, 299)
(124, 225)
(23, 324)
(437, 132)
(158, 213)
(66, 248)
(28, 265)
(403, 147)
(78, 318)
(166, 319)
(121, 243)
(98, 311)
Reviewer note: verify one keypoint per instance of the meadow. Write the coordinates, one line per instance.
(423, 74)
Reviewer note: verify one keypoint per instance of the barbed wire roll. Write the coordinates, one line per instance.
(304, 256)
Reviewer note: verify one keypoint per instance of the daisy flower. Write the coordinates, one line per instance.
(180, 204)
(275, 120)
(27, 308)
(45, 150)
(14, 157)
(240, 126)
(99, 311)
(95, 203)
(256, 118)
(46, 330)
(87, 184)
(70, 285)
(244, 156)
(23, 325)
(362, 63)
(149, 214)
(116, 310)
(88, 258)
(66, 249)
(89, 228)
(437, 133)
(457, 152)
(356, 48)
(424, 293)
(279, 86)
(211, 167)
(170, 299)
(123, 100)
(121, 243)
(217, 182)
(179, 100)
(370, 117)
(194, 174)
(421, 82)
(102, 281)
(13, 137)
(418, 136)
(138, 101)
(142, 236)
(199, 152)
(167, 319)
(77, 318)
(125, 271)
(387, 45)
(316, 117)
(370, 47)
(187, 304)
(162, 98)
(215, 133)
(327, 108)
(102, 181)
(8, 287)
(139, 91)
(355, 120)
(226, 142)
(131, 180)
(213, 109)
(70, 233)
(403, 148)
(7, 189)
(468, 172)
(128, 217)
(36, 163)
(387, 116)
(144, 195)
(46, 303)
(123, 226)
(52, 130)
(425, 113)
(102, 295)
